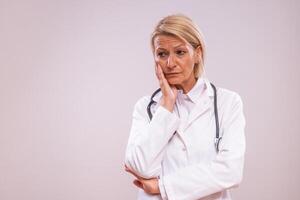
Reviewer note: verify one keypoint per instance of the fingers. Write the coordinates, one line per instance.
(138, 183)
(169, 92)
(163, 83)
(159, 74)
(149, 186)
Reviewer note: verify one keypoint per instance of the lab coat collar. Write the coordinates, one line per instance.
(195, 92)
(208, 88)
(203, 105)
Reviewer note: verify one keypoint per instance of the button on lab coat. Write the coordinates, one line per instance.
(185, 159)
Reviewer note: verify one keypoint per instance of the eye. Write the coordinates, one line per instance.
(161, 54)
(180, 52)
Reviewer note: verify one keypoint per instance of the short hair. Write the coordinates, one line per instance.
(184, 28)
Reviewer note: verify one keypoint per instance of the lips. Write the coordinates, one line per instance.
(171, 74)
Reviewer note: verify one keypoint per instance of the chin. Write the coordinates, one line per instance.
(174, 81)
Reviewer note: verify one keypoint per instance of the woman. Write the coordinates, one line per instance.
(172, 149)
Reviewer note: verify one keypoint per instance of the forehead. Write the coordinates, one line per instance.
(166, 41)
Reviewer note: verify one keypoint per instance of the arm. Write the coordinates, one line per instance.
(225, 171)
(147, 141)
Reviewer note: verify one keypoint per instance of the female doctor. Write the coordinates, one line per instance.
(187, 139)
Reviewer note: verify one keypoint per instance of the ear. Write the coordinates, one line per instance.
(198, 54)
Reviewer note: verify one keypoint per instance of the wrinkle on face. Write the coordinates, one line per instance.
(177, 59)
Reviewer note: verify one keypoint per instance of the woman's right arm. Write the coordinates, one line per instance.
(147, 140)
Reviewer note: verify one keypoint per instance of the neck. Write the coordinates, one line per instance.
(187, 85)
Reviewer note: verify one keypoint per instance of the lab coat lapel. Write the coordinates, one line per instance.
(204, 104)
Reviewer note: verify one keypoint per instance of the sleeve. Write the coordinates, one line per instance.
(162, 190)
(148, 140)
(225, 171)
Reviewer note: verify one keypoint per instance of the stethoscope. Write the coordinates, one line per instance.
(218, 138)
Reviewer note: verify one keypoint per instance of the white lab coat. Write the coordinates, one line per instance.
(186, 159)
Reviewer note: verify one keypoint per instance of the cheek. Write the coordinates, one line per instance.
(187, 65)
(161, 62)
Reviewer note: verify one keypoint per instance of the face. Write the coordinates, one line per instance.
(176, 58)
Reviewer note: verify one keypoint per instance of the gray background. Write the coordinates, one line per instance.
(71, 71)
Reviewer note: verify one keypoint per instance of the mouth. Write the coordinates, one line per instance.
(172, 74)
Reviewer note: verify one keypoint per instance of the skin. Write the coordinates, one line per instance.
(175, 60)
(150, 186)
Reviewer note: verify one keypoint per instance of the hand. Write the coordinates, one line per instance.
(150, 186)
(169, 92)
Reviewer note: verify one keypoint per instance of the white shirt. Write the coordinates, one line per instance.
(185, 102)
(186, 162)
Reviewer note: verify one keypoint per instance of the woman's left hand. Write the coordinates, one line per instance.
(150, 186)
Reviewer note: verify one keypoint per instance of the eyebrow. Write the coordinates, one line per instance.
(161, 48)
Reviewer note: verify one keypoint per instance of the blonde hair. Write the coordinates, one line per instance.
(181, 26)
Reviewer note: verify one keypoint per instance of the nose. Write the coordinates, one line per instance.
(171, 62)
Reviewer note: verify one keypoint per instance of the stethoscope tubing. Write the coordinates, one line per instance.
(217, 138)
